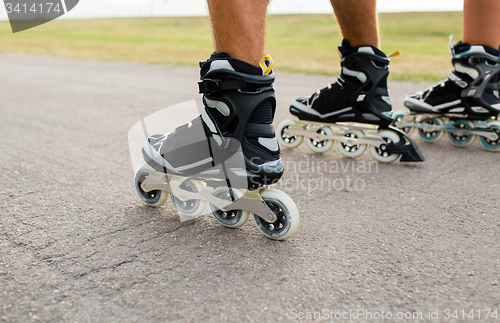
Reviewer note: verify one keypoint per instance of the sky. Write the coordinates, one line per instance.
(142, 8)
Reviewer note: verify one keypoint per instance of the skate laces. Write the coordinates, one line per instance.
(266, 64)
(457, 80)
(439, 90)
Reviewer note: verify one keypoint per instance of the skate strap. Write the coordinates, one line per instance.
(266, 64)
(259, 128)
(209, 87)
(470, 60)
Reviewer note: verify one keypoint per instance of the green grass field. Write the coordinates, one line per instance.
(298, 43)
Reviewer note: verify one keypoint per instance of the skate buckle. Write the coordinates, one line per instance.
(208, 87)
(468, 60)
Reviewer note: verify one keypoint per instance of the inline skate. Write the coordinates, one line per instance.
(465, 105)
(227, 156)
(355, 111)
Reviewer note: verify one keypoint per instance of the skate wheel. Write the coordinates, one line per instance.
(285, 210)
(351, 150)
(194, 207)
(431, 135)
(399, 118)
(233, 218)
(380, 153)
(321, 146)
(488, 144)
(458, 138)
(154, 198)
(286, 140)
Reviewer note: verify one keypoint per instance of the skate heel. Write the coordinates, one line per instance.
(406, 147)
(242, 106)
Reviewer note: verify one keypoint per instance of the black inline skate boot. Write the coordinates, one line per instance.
(471, 89)
(225, 157)
(359, 96)
(464, 105)
(239, 111)
(360, 93)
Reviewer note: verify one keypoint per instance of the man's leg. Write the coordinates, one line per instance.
(358, 21)
(238, 98)
(239, 28)
(360, 93)
(481, 23)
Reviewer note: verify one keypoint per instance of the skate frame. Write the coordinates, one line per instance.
(481, 129)
(250, 201)
(303, 128)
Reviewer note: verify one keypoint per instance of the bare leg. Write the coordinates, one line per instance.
(239, 28)
(358, 21)
(481, 25)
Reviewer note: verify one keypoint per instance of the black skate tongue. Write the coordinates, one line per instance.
(460, 47)
(346, 49)
(236, 64)
(220, 55)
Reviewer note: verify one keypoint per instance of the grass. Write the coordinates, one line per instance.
(298, 43)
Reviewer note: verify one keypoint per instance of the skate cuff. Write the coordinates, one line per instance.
(469, 60)
(210, 87)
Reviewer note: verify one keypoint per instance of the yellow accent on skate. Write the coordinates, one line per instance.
(266, 64)
(396, 53)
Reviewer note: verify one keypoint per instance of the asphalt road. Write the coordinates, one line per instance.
(77, 245)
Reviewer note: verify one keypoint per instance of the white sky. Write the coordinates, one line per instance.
(138, 8)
